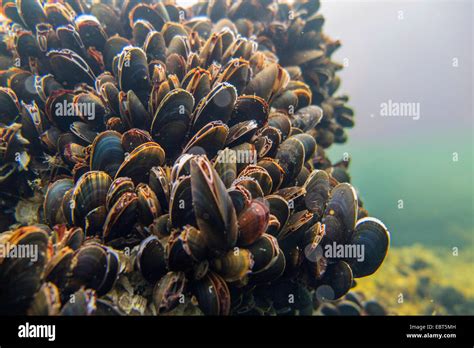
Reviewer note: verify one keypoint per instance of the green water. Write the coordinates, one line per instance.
(437, 192)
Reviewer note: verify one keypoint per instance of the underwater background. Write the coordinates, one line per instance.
(415, 174)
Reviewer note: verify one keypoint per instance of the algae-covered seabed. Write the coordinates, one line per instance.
(417, 280)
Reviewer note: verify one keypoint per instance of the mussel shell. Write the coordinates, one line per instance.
(138, 163)
(317, 191)
(107, 153)
(133, 71)
(68, 67)
(341, 212)
(253, 222)
(307, 118)
(271, 273)
(117, 188)
(21, 276)
(248, 108)
(84, 303)
(181, 203)
(88, 268)
(339, 278)
(46, 301)
(212, 294)
(133, 138)
(95, 221)
(148, 205)
(290, 157)
(210, 139)
(371, 235)
(261, 175)
(121, 217)
(216, 106)
(234, 265)
(89, 193)
(265, 252)
(52, 206)
(309, 145)
(186, 247)
(226, 168)
(169, 292)
(278, 208)
(215, 213)
(171, 120)
(151, 259)
(159, 183)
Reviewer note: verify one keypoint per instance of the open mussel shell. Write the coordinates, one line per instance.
(250, 184)
(88, 193)
(294, 195)
(215, 213)
(121, 217)
(212, 294)
(159, 183)
(70, 68)
(168, 293)
(117, 188)
(373, 238)
(148, 205)
(151, 259)
(21, 276)
(248, 108)
(293, 233)
(261, 175)
(186, 247)
(280, 209)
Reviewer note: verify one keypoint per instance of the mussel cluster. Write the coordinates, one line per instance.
(177, 154)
